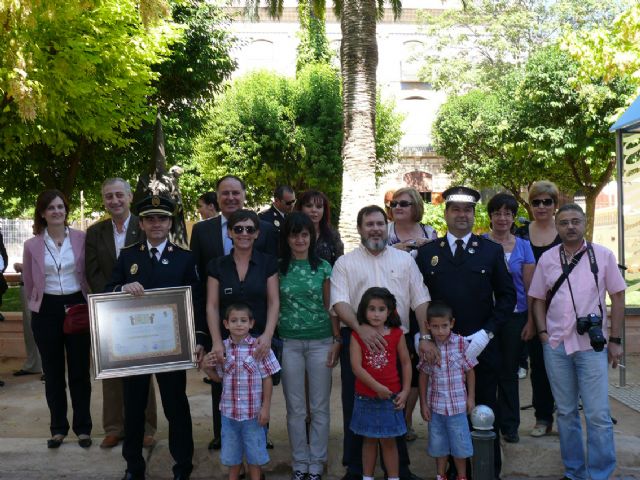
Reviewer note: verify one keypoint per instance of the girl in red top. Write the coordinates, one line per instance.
(380, 395)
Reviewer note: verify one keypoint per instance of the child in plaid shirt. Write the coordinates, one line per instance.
(446, 402)
(246, 394)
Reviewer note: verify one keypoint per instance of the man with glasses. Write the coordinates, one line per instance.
(468, 272)
(210, 239)
(283, 201)
(569, 288)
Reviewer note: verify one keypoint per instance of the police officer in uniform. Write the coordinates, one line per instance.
(158, 263)
(469, 273)
(284, 199)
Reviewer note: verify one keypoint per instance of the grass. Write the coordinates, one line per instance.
(11, 300)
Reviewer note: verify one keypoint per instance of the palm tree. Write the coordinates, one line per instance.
(359, 60)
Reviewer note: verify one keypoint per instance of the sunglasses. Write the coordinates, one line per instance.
(401, 203)
(290, 202)
(238, 229)
(547, 202)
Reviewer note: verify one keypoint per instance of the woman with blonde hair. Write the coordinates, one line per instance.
(542, 235)
(407, 232)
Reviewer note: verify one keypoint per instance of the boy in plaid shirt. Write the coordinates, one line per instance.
(246, 394)
(446, 402)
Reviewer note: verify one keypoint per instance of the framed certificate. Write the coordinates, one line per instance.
(151, 333)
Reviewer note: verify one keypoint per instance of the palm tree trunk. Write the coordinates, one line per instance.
(359, 60)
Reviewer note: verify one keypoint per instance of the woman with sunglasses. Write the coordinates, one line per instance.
(316, 206)
(311, 345)
(244, 276)
(406, 232)
(542, 234)
(502, 210)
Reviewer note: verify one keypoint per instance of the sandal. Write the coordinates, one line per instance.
(55, 441)
(540, 430)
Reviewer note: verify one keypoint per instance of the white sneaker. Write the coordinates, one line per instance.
(522, 373)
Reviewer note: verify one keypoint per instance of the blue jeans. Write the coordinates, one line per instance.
(583, 375)
(243, 439)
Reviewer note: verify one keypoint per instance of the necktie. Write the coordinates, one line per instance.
(459, 249)
(154, 258)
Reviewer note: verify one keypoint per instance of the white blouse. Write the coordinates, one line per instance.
(59, 267)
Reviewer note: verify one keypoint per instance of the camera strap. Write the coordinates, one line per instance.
(568, 267)
(565, 274)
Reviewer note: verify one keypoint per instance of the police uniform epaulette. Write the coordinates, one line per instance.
(175, 245)
(130, 245)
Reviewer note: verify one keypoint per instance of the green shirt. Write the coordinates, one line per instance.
(302, 312)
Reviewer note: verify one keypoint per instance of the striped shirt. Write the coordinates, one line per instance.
(242, 379)
(446, 390)
(393, 269)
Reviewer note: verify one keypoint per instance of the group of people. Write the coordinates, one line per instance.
(411, 317)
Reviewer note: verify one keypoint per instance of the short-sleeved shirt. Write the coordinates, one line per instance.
(382, 366)
(252, 290)
(393, 269)
(242, 379)
(302, 312)
(447, 391)
(520, 255)
(561, 317)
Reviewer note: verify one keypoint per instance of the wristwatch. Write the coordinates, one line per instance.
(616, 340)
(425, 337)
(489, 334)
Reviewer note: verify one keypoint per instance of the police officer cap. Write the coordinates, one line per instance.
(155, 205)
(461, 194)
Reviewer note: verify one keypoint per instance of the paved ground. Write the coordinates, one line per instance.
(24, 430)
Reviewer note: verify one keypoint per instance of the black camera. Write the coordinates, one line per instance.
(592, 323)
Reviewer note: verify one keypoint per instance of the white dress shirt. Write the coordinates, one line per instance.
(159, 247)
(393, 269)
(227, 244)
(118, 238)
(452, 242)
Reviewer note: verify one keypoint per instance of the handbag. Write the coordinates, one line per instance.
(76, 319)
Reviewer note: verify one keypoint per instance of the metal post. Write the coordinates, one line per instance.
(620, 170)
(483, 438)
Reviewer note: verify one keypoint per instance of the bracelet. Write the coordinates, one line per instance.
(616, 340)
(543, 331)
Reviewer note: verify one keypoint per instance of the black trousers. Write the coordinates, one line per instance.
(216, 396)
(175, 404)
(54, 346)
(508, 387)
(352, 443)
(542, 398)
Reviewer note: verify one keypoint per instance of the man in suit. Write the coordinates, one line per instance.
(158, 263)
(283, 201)
(104, 241)
(210, 239)
(469, 273)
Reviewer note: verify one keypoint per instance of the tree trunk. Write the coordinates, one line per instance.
(359, 60)
(590, 204)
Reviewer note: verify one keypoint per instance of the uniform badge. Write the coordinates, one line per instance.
(142, 247)
(169, 248)
(276, 223)
(442, 244)
(474, 244)
(164, 261)
(134, 269)
(434, 260)
(155, 200)
(471, 251)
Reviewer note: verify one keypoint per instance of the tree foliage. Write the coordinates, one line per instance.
(82, 81)
(542, 123)
(477, 46)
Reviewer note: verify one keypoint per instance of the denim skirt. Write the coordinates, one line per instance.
(377, 418)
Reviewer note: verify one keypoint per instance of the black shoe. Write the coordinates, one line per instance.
(215, 444)
(269, 444)
(410, 476)
(55, 441)
(84, 441)
(133, 476)
(511, 437)
(21, 372)
(1, 317)
(351, 476)
(1, 383)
